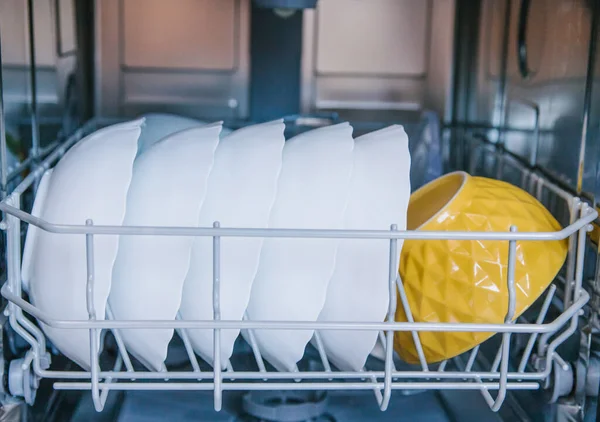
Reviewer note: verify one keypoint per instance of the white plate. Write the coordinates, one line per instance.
(167, 189)
(160, 125)
(241, 192)
(359, 287)
(30, 239)
(90, 182)
(293, 274)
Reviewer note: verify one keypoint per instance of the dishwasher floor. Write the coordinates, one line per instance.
(193, 406)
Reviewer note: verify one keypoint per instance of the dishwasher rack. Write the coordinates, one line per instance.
(530, 370)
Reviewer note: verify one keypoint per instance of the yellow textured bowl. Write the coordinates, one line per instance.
(465, 280)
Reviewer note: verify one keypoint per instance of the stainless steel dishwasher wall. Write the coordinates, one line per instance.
(53, 55)
(145, 60)
(382, 55)
(531, 65)
(378, 55)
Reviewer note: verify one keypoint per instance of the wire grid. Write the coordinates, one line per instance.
(501, 376)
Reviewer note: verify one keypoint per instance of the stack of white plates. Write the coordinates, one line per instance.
(170, 171)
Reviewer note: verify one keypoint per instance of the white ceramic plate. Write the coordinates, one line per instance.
(359, 287)
(90, 182)
(293, 274)
(30, 239)
(160, 125)
(167, 189)
(241, 192)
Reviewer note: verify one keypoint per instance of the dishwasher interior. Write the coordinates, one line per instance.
(506, 89)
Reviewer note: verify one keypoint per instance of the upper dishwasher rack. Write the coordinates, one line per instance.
(537, 355)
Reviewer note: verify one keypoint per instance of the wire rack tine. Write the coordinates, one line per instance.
(296, 370)
(116, 368)
(382, 340)
(163, 370)
(441, 368)
(470, 376)
(188, 347)
(472, 357)
(376, 390)
(255, 349)
(533, 337)
(409, 318)
(119, 340)
(321, 350)
(496, 362)
(229, 368)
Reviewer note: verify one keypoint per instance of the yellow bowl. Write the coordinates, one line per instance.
(465, 280)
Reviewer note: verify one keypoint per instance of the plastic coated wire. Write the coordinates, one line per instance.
(381, 382)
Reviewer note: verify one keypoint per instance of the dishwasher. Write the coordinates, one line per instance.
(506, 89)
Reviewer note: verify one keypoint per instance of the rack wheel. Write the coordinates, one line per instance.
(22, 382)
(562, 382)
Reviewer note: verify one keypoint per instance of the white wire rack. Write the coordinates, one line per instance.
(528, 371)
